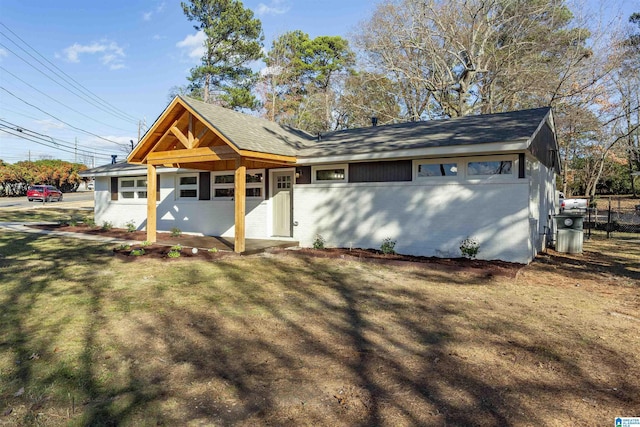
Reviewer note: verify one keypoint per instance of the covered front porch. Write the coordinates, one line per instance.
(197, 136)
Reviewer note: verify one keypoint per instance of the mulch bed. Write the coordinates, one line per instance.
(473, 266)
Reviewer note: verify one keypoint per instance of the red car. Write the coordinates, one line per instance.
(46, 193)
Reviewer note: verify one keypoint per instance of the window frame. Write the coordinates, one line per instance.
(231, 185)
(180, 187)
(458, 161)
(502, 158)
(316, 169)
(463, 168)
(136, 189)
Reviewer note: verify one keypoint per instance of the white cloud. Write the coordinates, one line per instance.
(3, 53)
(275, 7)
(193, 45)
(146, 16)
(111, 54)
(158, 37)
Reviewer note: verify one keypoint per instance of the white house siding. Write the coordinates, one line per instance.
(209, 217)
(541, 204)
(424, 219)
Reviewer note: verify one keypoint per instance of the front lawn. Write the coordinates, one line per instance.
(87, 338)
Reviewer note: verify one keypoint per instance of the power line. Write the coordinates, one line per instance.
(104, 105)
(47, 145)
(81, 96)
(62, 121)
(62, 142)
(64, 105)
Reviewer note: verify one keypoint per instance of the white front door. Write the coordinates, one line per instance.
(281, 200)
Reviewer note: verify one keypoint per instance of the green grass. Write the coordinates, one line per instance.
(42, 215)
(93, 339)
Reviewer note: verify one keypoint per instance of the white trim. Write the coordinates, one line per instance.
(451, 150)
(315, 169)
(459, 162)
(270, 204)
(135, 189)
(180, 187)
(214, 186)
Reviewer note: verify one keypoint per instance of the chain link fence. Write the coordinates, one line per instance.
(613, 215)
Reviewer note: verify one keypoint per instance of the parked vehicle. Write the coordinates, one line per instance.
(90, 185)
(45, 193)
(572, 205)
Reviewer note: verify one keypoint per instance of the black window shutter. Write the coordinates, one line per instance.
(157, 188)
(521, 165)
(204, 184)
(114, 188)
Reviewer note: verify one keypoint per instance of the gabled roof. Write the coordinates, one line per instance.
(248, 132)
(512, 127)
(191, 131)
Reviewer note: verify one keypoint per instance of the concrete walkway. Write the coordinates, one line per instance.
(253, 246)
(24, 227)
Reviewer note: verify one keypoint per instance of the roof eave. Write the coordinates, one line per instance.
(449, 150)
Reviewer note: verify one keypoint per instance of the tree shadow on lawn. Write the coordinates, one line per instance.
(332, 350)
(39, 336)
(302, 342)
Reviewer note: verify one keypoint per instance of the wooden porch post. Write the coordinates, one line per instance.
(240, 189)
(151, 203)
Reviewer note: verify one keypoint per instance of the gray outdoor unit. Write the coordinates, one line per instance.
(570, 233)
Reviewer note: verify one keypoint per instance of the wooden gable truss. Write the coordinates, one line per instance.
(182, 138)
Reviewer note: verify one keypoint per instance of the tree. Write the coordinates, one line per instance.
(366, 95)
(301, 79)
(233, 40)
(458, 57)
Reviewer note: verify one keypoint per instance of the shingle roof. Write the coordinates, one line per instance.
(515, 126)
(112, 168)
(249, 132)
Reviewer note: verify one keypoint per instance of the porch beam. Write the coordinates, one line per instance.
(190, 132)
(151, 203)
(276, 158)
(202, 154)
(240, 188)
(178, 134)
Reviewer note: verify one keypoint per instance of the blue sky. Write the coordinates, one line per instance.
(121, 58)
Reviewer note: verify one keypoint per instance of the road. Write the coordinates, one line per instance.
(78, 199)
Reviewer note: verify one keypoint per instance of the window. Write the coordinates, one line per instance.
(133, 188)
(224, 184)
(331, 173)
(427, 170)
(503, 167)
(187, 187)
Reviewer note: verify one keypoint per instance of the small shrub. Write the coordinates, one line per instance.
(89, 221)
(173, 254)
(213, 250)
(388, 246)
(176, 232)
(469, 247)
(124, 247)
(319, 242)
(177, 248)
(73, 221)
(137, 252)
(107, 225)
(131, 226)
(146, 243)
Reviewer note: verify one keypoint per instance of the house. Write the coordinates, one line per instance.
(426, 185)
